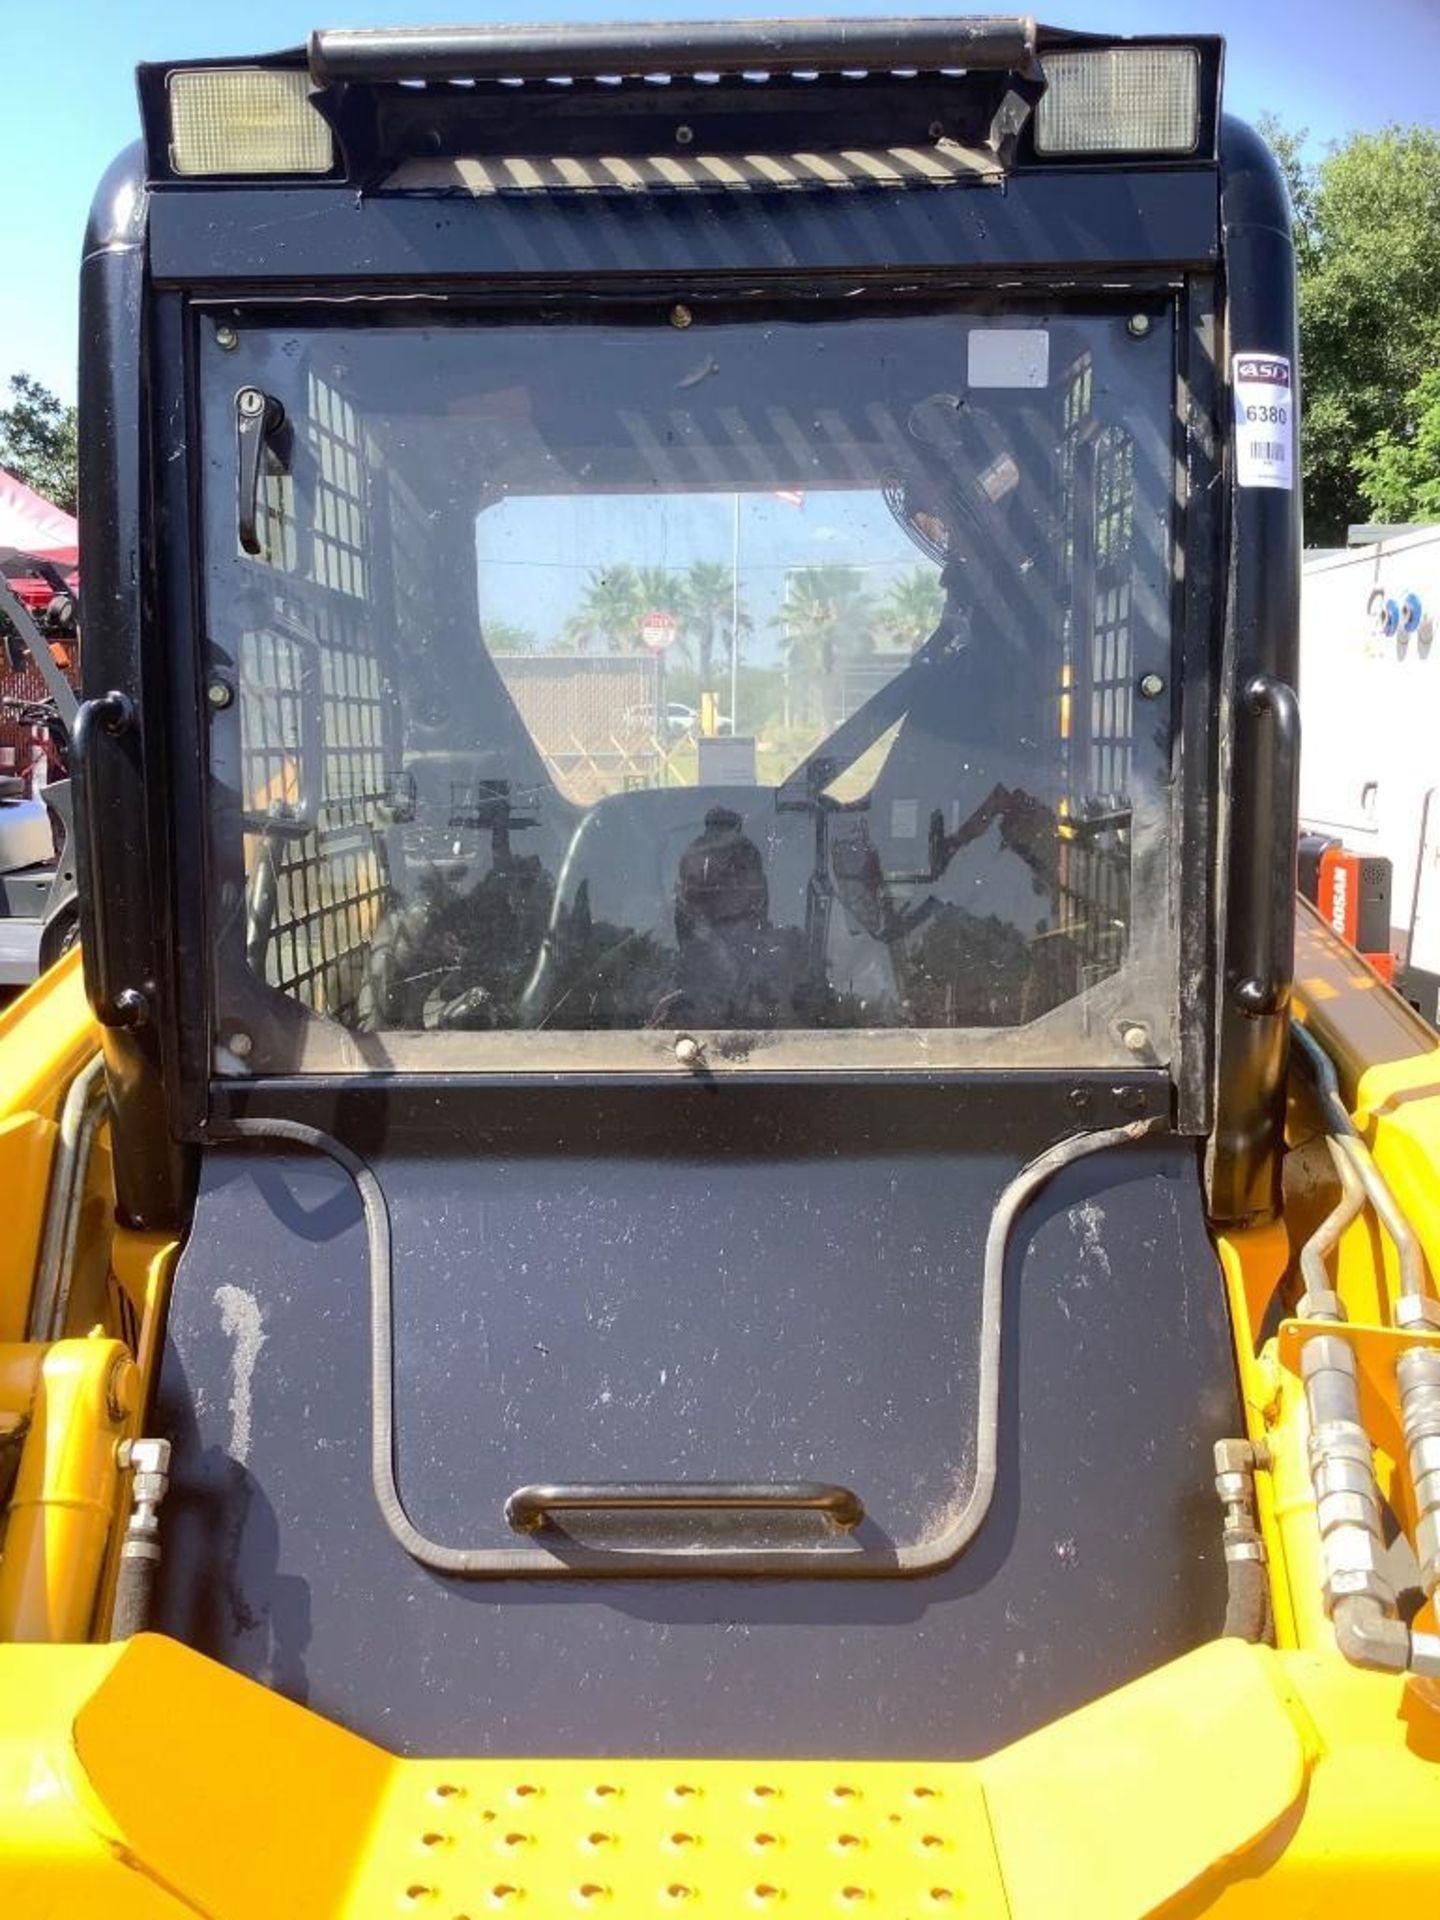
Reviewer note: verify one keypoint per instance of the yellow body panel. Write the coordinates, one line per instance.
(147, 1780)
(62, 1510)
(46, 1036)
(26, 1142)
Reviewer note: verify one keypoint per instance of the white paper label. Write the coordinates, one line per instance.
(1264, 421)
(1009, 357)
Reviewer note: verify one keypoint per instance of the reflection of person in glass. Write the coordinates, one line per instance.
(722, 911)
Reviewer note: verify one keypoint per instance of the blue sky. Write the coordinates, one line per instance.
(1331, 65)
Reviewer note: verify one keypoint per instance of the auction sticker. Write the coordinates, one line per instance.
(1264, 420)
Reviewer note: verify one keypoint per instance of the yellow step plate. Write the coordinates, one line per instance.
(718, 1837)
(143, 1780)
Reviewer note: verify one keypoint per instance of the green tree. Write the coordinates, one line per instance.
(504, 636)
(708, 606)
(609, 612)
(37, 440)
(1368, 250)
(1288, 146)
(1399, 472)
(657, 590)
(827, 616)
(911, 609)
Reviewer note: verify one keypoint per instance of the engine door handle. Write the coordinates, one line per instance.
(529, 1508)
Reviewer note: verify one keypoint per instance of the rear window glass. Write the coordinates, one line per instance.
(697, 671)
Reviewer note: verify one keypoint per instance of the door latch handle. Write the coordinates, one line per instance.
(258, 418)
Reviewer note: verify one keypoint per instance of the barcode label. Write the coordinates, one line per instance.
(1264, 420)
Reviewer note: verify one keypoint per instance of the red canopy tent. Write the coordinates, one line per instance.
(29, 523)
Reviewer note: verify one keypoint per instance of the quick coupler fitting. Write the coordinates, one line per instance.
(1417, 1374)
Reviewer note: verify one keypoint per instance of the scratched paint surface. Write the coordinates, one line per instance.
(832, 1351)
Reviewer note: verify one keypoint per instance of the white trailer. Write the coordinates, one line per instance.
(1370, 715)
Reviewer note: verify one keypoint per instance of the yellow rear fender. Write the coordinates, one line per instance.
(145, 1779)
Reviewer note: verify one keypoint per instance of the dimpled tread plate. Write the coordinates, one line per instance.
(458, 1840)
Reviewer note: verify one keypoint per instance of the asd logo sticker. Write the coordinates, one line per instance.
(1273, 373)
(1264, 445)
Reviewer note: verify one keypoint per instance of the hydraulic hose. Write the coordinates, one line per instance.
(1407, 1245)
(1248, 1614)
(1321, 1299)
(148, 1462)
(1247, 1602)
(1359, 1595)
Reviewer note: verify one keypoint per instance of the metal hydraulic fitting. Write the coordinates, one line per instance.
(1342, 1476)
(148, 1461)
(1370, 1637)
(1417, 1374)
(1413, 1310)
(1235, 1464)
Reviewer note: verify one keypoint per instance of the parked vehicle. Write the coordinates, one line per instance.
(1368, 781)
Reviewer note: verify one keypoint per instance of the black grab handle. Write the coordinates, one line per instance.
(385, 54)
(111, 714)
(529, 1508)
(1267, 914)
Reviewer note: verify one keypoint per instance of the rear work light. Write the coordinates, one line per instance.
(1120, 100)
(226, 120)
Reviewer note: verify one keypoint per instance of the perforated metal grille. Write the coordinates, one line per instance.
(1097, 700)
(312, 736)
(943, 164)
(708, 1837)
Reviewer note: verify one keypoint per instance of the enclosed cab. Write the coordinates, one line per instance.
(688, 811)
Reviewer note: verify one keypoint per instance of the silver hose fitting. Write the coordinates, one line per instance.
(148, 1461)
(1342, 1476)
(1235, 1464)
(1248, 1613)
(1418, 1375)
(1413, 1310)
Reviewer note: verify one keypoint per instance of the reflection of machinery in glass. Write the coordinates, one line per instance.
(38, 912)
(458, 958)
(722, 887)
(726, 947)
